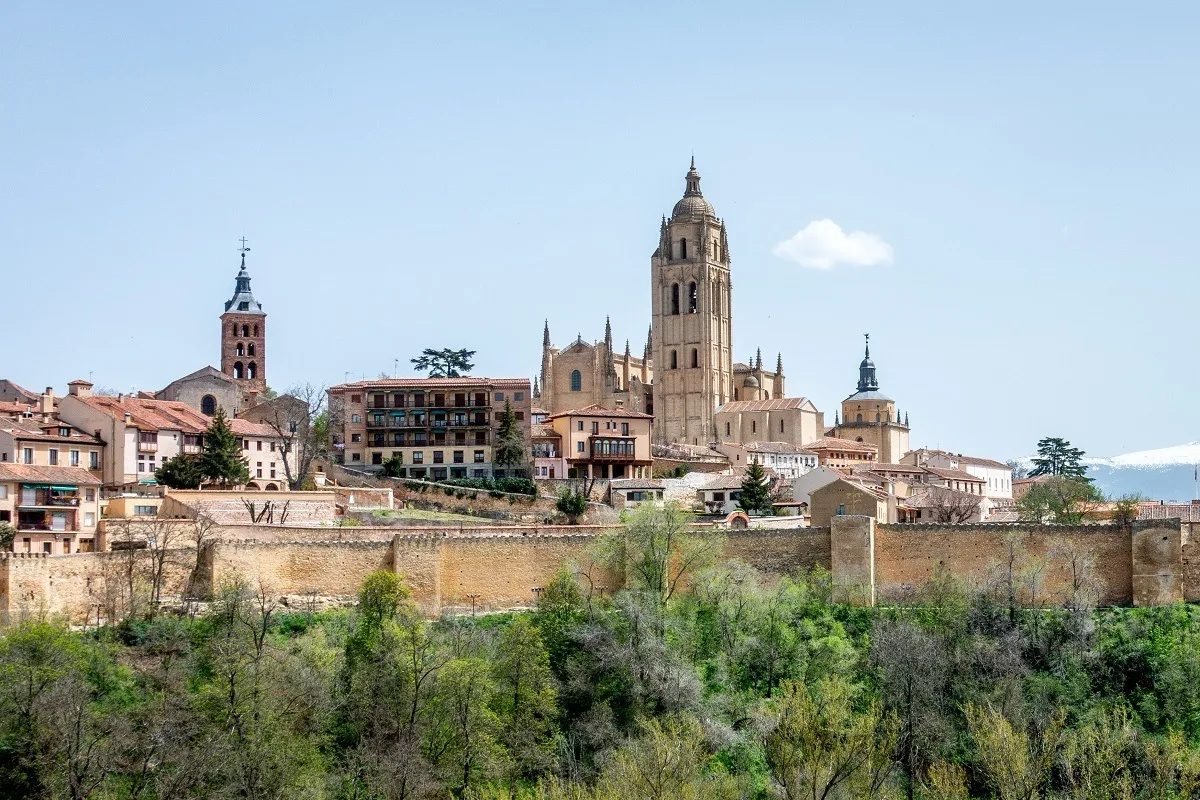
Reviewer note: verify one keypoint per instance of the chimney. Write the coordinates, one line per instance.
(128, 418)
(47, 402)
(79, 389)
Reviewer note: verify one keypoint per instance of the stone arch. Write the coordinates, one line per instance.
(271, 487)
(674, 299)
(239, 371)
(252, 370)
(239, 350)
(245, 330)
(576, 381)
(250, 349)
(208, 405)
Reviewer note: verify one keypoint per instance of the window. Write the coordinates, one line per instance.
(877, 418)
(89, 495)
(252, 371)
(693, 298)
(499, 396)
(356, 457)
(89, 519)
(355, 437)
(579, 425)
(458, 456)
(245, 444)
(356, 418)
(579, 447)
(74, 458)
(695, 358)
(576, 381)
(250, 349)
(478, 456)
(753, 426)
(208, 405)
(683, 248)
(674, 359)
(624, 428)
(64, 432)
(518, 395)
(520, 415)
(258, 445)
(438, 457)
(674, 298)
(256, 330)
(781, 426)
(27, 455)
(858, 418)
(145, 511)
(726, 428)
(53, 457)
(356, 398)
(418, 457)
(595, 428)
(239, 351)
(376, 458)
(3, 492)
(239, 371)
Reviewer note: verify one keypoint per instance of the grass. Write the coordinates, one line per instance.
(438, 516)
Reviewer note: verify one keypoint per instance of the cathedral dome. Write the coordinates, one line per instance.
(692, 205)
(751, 382)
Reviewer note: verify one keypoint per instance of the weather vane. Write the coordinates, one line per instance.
(243, 250)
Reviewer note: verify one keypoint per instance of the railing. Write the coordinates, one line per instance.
(425, 405)
(147, 447)
(64, 502)
(191, 449)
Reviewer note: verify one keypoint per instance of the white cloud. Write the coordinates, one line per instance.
(822, 244)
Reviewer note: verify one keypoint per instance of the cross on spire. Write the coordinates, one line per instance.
(243, 250)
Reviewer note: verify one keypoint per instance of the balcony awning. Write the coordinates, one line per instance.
(148, 482)
(36, 486)
(64, 488)
(397, 413)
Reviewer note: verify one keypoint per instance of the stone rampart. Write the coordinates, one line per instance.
(495, 568)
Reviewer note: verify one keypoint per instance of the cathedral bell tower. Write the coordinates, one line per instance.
(244, 337)
(692, 320)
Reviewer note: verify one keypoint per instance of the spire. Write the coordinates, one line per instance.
(626, 349)
(906, 419)
(546, 335)
(837, 420)
(692, 180)
(779, 364)
(608, 334)
(243, 301)
(758, 359)
(866, 370)
(649, 341)
(537, 392)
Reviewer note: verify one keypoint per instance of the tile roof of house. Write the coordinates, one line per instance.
(596, 410)
(16, 387)
(831, 443)
(875, 466)
(14, 407)
(430, 383)
(541, 430)
(954, 474)
(635, 483)
(775, 404)
(960, 458)
(205, 372)
(244, 427)
(151, 415)
(722, 482)
(772, 447)
(32, 429)
(32, 473)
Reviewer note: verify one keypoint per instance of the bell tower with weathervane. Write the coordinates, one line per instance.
(244, 336)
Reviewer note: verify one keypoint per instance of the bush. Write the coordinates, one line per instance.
(490, 485)
(7, 534)
(571, 503)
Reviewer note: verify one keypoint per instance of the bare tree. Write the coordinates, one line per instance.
(949, 507)
(302, 420)
(164, 538)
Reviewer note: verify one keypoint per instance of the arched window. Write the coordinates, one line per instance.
(256, 329)
(245, 330)
(683, 248)
(238, 371)
(674, 298)
(239, 350)
(693, 298)
(781, 426)
(576, 381)
(252, 371)
(695, 358)
(208, 405)
(859, 439)
(250, 348)
(859, 418)
(233, 329)
(877, 419)
(674, 359)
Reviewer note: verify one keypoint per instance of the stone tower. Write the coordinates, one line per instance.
(244, 339)
(692, 325)
(870, 416)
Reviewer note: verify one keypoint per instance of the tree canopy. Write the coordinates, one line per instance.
(181, 472)
(1057, 457)
(221, 459)
(510, 452)
(445, 363)
(756, 491)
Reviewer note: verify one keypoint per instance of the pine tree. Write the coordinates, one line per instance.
(221, 460)
(180, 472)
(510, 442)
(756, 494)
(1057, 457)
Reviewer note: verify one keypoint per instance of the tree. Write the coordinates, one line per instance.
(180, 472)
(445, 363)
(950, 507)
(1019, 469)
(571, 503)
(1057, 457)
(657, 551)
(525, 700)
(221, 460)
(302, 421)
(1017, 764)
(510, 441)
(1061, 500)
(1126, 507)
(394, 466)
(756, 491)
(462, 739)
(7, 534)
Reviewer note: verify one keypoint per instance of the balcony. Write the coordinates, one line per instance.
(191, 449)
(429, 403)
(42, 501)
(610, 449)
(147, 447)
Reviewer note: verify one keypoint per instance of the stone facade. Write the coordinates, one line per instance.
(206, 390)
(244, 339)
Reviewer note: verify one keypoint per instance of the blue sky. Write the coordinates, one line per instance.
(425, 176)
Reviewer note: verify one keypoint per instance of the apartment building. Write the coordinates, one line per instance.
(438, 427)
(139, 434)
(49, 442)
(53, 508)
(599, 442)
(784, 459)
(265, 453)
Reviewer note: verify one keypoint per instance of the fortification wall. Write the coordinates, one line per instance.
(1191, 571)
(227, 508)
(907, 556)
(332, 569)
(778, 553)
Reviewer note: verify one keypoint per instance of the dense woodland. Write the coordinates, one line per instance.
(698, 681)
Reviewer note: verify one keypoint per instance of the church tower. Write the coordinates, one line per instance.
(870, 416)
(692, 326)
(244, 338)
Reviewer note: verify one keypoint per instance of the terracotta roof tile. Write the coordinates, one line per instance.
(954, 475)
(33, 429)
(151, 415)
(31, 473)
(635, 483)
(774, 404)
(595, 410)
(431, 383)
(543, 431)
(830, 443)
(244, 427)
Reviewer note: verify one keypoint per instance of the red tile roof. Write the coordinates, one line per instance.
(960, 458)
(775, 404)
(36, 430)
(14, 408)
(595, 410)
(830, 443)
(244, 427)
(151, 415)
(543, 431)
(1185, 512)
(31, 473)
(954, 475)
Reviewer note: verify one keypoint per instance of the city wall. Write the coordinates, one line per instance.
(496, 568)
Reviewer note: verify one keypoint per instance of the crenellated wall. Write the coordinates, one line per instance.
(496, 568)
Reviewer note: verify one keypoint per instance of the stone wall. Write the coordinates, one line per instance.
(227, 508)
(779, 553)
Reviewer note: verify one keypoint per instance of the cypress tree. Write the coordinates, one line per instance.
(510, 442)
(221, 459)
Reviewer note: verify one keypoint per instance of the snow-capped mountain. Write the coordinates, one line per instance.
(1168, 473)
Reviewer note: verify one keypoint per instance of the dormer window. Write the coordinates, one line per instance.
(64, 432)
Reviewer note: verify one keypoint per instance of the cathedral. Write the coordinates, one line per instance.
(686, 370)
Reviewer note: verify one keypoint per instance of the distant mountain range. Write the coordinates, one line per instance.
(1164, 474)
